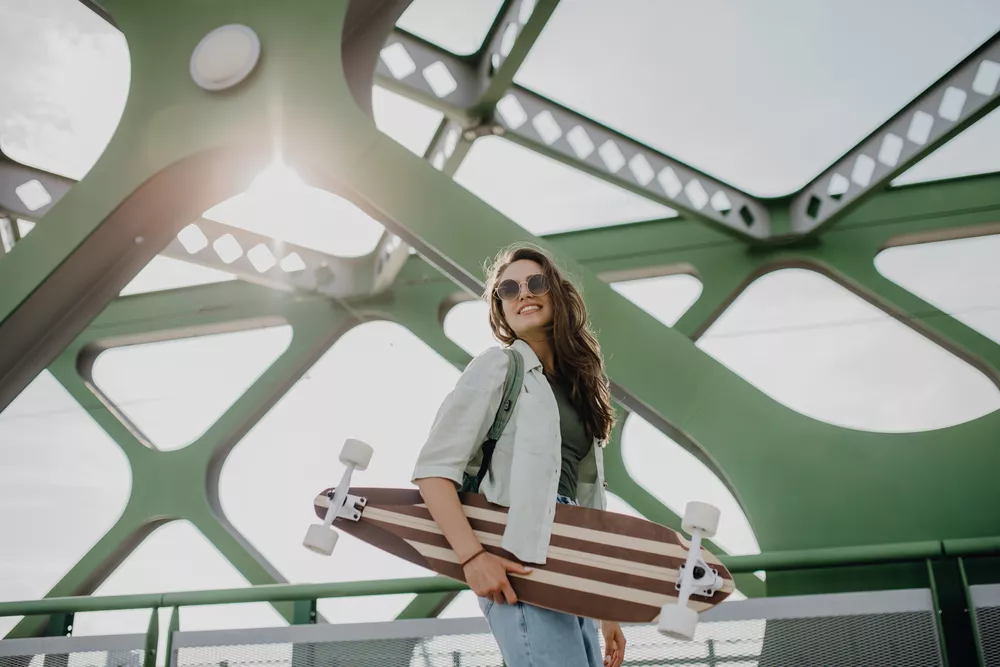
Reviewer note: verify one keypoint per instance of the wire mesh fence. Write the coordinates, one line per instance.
(104, 651)
(860, 629)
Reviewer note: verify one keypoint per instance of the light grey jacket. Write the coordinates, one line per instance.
(526, 465)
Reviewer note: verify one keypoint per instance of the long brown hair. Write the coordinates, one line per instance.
(578, 361)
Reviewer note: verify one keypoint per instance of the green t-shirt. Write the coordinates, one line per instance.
(575, 443)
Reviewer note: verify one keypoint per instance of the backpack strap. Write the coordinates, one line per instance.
(511, 391)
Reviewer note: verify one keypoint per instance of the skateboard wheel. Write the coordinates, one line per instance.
(678, 622)
(701, 516)
(356, 453)
(320, 539)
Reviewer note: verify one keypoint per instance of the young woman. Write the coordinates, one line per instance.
(551, 451)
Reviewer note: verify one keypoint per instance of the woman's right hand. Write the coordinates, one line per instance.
(486, 575)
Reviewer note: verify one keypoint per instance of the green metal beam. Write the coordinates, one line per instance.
(218, 307)
(498, 70)
(449, 146)
(949, 332)
(64, 370)
(412, 84)
(248, 561)
(427, 605)
(969, 609)
(909, 214)
(956, 620)
(14, 174)
(272, 593)
(481, 79)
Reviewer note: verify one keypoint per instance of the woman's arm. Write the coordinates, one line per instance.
(442, 501)
(485, 573)
(456, 436)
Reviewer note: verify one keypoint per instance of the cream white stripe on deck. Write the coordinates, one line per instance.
(569, 581)
(557, 553)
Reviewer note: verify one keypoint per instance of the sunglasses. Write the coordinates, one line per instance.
(538, 284)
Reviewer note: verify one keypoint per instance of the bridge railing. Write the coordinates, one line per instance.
(735, 630)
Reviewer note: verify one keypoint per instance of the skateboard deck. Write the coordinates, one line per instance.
(600, 565)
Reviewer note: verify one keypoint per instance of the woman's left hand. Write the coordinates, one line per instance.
(614, 643)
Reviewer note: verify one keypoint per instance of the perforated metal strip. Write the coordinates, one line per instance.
(956, 101)
(586, 145)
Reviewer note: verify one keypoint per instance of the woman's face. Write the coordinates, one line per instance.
(529, 315)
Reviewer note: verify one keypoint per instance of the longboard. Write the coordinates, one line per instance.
(600, 565)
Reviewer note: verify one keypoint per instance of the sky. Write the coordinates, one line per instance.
(763, 99)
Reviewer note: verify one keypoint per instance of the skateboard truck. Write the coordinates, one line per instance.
(322, 538)
(705, 577)
(696, 577)
(350, 509)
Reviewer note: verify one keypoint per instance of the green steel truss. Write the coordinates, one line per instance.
(178, 150)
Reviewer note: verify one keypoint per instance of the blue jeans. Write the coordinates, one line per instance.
(531, 636)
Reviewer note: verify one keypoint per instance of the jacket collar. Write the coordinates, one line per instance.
(531, 361)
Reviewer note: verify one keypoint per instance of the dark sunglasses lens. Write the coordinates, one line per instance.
(538, 284)
(508, 289)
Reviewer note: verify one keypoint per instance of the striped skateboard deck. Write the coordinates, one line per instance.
(600, 564)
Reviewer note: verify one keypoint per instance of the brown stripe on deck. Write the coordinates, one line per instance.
(427, 537)
(383, 496)
(562, 599)
(612, 551)
(614, 523)
(376, 535)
